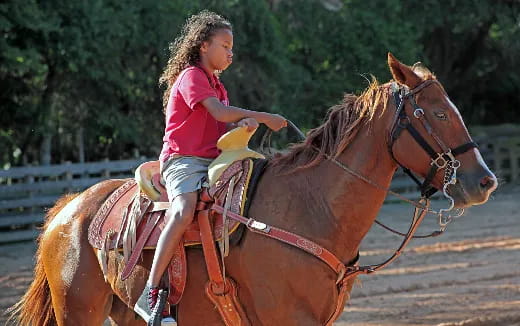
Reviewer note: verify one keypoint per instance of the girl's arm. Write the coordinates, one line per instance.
(233, 114)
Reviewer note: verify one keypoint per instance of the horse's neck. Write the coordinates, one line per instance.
(354, 202)
(344, 204)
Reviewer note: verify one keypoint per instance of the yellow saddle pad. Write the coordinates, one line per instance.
(233, 145)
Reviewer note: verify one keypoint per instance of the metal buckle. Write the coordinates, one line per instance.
(440, 158)
(259, 226)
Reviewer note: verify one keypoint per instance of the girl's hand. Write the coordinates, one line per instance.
(250, 123)
(275, 121)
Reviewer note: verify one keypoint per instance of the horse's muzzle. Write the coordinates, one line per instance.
(473, 187)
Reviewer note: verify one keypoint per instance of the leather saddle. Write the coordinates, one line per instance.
(133, 216)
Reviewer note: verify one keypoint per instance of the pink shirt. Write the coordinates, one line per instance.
(190, 128)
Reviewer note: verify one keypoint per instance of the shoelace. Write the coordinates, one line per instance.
(153, 296)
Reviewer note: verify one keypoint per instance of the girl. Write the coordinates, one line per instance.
(197, 111)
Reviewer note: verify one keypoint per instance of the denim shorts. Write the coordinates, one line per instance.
(183, 174)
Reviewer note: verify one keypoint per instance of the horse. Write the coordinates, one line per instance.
(328, 189)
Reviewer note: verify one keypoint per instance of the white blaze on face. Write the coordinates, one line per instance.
(477, 151)
(69, 240)
(456, 111)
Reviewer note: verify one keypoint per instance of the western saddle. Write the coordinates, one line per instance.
(132, 218)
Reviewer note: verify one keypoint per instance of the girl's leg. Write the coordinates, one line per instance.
(178, 217)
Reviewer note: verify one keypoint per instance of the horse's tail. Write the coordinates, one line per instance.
(35, 307)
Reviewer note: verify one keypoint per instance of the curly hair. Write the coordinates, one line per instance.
(184, 51)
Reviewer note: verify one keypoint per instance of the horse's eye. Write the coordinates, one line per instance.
(441, 115)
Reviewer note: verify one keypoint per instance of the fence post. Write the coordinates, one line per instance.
(29, 179)
(497, 162)
(68, 176)
(106, 171)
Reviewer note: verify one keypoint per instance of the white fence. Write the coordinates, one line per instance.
(25, 192)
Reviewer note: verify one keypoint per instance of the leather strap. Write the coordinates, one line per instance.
(287, 237)
(464, 148)
(136, 253)
(222, 292)
(340, 303)
(210, 252)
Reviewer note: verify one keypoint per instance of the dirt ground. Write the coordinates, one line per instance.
(469, 276)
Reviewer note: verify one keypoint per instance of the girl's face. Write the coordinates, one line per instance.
(217, 53)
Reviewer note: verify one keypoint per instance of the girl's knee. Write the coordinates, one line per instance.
(183, 216)
(186, 216)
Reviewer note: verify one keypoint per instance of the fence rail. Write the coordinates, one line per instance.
(25, 192)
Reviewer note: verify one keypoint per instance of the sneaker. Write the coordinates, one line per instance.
(147, 299)
(149, 303)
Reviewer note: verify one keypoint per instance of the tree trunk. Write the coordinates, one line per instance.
(45, 149)
(80, 142)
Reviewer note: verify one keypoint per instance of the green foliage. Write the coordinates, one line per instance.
(94, 65)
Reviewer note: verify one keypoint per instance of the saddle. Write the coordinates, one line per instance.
(132, 218)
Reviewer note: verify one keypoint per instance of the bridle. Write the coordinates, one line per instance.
(439, 160)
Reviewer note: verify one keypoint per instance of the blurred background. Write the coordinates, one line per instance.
(79, 79)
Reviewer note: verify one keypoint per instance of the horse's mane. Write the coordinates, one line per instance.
(341, 125)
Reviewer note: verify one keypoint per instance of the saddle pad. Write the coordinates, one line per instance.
(110, 222)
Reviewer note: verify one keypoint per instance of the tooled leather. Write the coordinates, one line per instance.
(177, 272)
(109, 216)
(96, 232)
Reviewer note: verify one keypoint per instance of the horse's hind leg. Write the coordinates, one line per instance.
(80, 295)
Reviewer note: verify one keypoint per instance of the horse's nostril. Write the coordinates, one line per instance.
(488, 182)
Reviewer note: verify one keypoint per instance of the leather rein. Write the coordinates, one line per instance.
(444, 160)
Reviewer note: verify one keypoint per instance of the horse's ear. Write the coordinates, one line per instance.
(402, 73)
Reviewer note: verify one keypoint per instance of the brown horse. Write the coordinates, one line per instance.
(304, 191)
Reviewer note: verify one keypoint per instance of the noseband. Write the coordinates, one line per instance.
(439, 160)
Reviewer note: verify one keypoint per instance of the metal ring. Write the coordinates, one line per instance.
(418, 113)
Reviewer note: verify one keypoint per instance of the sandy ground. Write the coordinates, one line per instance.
(469, 276)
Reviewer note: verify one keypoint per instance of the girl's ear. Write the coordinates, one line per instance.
(204, 46)
(402, 73)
